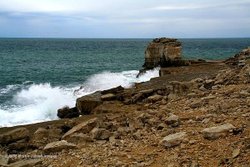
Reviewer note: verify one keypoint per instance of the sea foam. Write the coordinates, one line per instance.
(39, 102)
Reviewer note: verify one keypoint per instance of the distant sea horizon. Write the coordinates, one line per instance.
(122, 37)
(40, 75)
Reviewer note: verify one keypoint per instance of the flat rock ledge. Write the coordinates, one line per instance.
(217, 131)
(84, 127)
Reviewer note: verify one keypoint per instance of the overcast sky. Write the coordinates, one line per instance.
(124, 18)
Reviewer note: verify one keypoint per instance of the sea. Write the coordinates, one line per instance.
(39, 76)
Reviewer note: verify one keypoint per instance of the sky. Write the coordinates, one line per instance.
(125, 18)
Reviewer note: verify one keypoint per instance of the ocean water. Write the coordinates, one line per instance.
(38, 76)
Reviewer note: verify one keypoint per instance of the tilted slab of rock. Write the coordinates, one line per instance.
(154, 98)
(84, 127)
(100, 134)
(173, 120)
(87, 103)
(43, 136)
(173, 139)
(217, 131)
(58, 146)
(14, 135)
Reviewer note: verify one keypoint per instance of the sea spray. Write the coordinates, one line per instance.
(39, 102)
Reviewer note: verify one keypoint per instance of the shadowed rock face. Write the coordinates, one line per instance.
(162, 52)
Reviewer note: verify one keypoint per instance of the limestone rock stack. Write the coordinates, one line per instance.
(163, 52)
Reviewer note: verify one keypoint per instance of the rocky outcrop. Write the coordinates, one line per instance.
(240, 59)
(14, 135)
(67, 112)
(42, 136)
(163, 52)
(84, 127)
(86, 104)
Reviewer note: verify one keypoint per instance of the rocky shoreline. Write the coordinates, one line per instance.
(196, 114)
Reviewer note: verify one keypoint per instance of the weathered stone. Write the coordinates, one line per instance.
(43, 136)
(4, 160)
(196, 104)
(154, 98)
(162, 51)
(236, 153)
(79, 138)
(58, 146)
(14, 135)
(40, 137)
(100, 134)
(173, 120)
(217, 132)
(173, 139)
(26, 163)
(240, 58)
(84, 127)
(107, 97)
(67, 112)
(19, 145)
(87, 103)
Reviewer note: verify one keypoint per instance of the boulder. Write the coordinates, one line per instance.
(100, 134)
(87, 103)
(173, 120)
(141, 95)
(173, 139)
(154, 98)
(84, 127)
(217, 131)
(240, 59)
(26, 163)
(43, 136)
(14, 135)
(67, 112)
(17, 146)
(58, 146)
(163, 52)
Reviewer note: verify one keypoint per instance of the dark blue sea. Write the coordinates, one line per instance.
(38, 76)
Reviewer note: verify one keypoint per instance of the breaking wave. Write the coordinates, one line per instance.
(31, 103)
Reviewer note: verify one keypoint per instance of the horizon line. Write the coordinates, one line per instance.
(121, 37)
